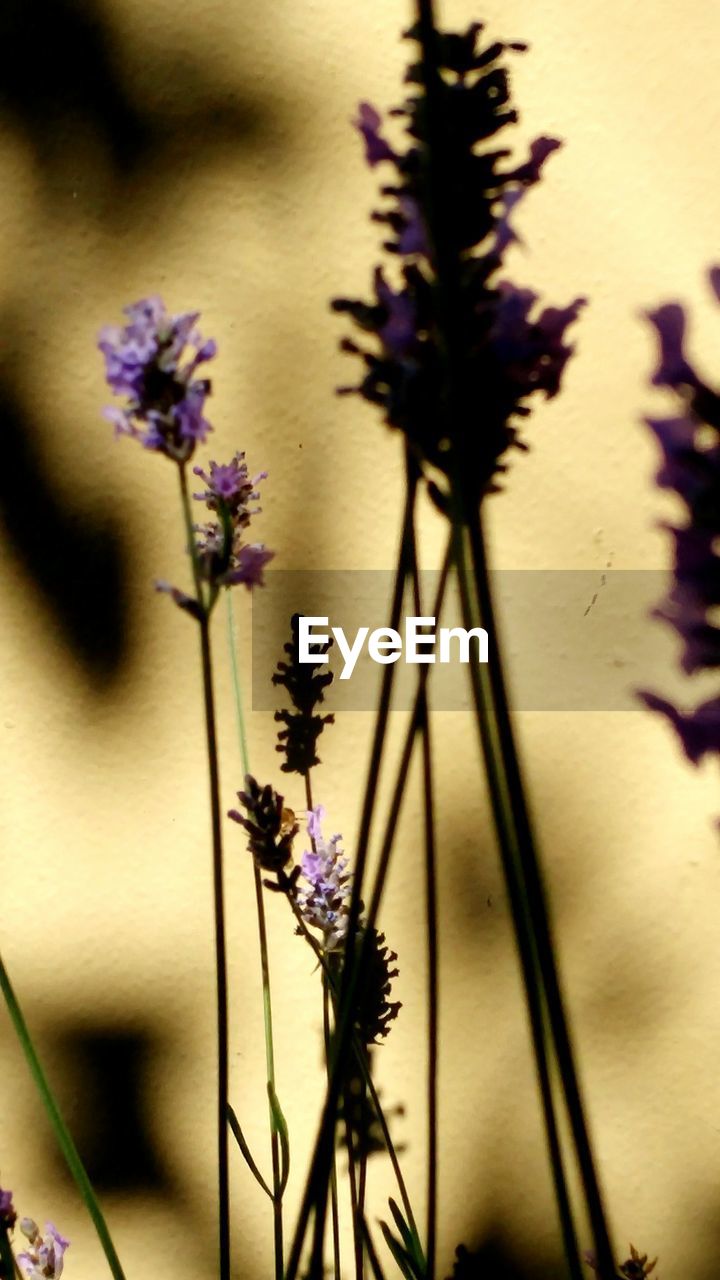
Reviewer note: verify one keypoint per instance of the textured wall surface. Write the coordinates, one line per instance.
(209, 156)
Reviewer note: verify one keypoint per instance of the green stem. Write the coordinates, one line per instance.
(264, 961)
(60, 1129)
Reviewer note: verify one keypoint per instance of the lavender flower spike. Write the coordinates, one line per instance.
(225, 558)
(505, 349)
(326, 900)
(143, 362)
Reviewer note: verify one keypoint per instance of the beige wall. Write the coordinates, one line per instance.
(107, 910)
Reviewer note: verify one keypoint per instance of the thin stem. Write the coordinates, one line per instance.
(431, 930)
(218, 891)
(264, 960)
(190, 534)
(62, 1133)
(333, 1172)
(319, 1167)
(376, 751)
(530, 968)
(220, 952)
(537, 904)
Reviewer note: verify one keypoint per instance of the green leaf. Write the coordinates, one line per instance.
(410, 1238)
(282, 1130)
(240, 1139)
(402, 1257)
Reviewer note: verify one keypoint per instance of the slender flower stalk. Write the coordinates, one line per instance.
(458, 355)
(264, 967)
(164, 410)
(513, 826)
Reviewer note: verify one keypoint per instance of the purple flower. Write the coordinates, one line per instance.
(43, 1260)
(230, 489)
(325, 899)
(502, 353)
(690, 449)
(144, 363)
(225, 558)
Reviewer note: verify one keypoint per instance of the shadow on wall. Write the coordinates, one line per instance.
(94, 105)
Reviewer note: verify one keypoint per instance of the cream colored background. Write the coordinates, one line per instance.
(106, 892)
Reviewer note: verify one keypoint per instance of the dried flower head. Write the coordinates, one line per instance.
(374, 1012)
(271, 829)
(636, 1267)
(463, 195)
(144, 362)
(306, 686)
(690, 445)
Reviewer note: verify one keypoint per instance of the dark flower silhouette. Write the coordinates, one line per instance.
(690, 445)
(504, 348)
(306, 687)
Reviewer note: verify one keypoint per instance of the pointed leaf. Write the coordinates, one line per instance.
(240, 1139)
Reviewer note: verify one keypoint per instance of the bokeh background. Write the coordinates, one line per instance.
(208, 155)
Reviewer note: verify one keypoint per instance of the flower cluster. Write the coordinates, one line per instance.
(225, 559)
(144, 362)
(325, 902)
(43, 1258)
(690, 444)
(306, 687)
(456, 354)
